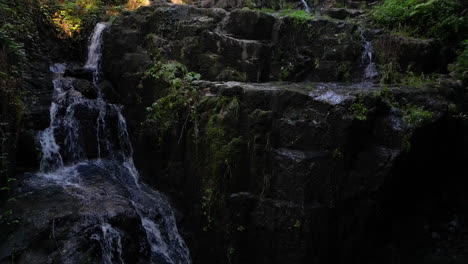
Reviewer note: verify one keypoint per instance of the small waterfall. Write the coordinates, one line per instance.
(87, 143)
(367, 60)
(94, 52)
(306, 6)
(111, 244)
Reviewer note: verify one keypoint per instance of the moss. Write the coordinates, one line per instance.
(298, 16)
(223, 151)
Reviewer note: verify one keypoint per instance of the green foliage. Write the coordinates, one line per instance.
(181, 96)
(71, 16)
(441, 19)
(224, 150)
(359, 110)
(390, 74)
(16, 27)
(461, 64)
(284, 73)
(411, 79)
(416, 116)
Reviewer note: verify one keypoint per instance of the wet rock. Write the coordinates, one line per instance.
(87, 221)
(80, 73)
(247, 24)
(416, 55)
(343, 13)
(305, 183)
(86, 88)
(244, 45)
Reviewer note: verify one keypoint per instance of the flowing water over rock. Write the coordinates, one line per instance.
(306, 6)
(367, 59)
(87, 197)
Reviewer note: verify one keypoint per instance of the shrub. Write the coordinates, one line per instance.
(441, 19)
(416, 116)
(359, 110)
(180, 99)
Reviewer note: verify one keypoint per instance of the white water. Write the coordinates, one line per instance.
(68, 162)
(306, 6)
(94, 50)
(367, 59)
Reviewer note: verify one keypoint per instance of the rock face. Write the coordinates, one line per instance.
(86, 213)
(288, 173)
(411, 54)
(243, 45)
(278, 172)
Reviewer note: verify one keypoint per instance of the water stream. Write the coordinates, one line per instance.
(86, 150)
(306, 6)
(367, 59)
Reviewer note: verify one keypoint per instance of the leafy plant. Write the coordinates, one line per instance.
(412, 79)
(441, 19)
(416, 115)
(180, 99)
(359, 111)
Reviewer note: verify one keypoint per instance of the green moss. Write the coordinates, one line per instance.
(222, 153)
(300, 16)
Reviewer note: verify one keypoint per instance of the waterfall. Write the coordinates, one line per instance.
(367, 59)
(306, 6)
(94, 51)
(87, 143)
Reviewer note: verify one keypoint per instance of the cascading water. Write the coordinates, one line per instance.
(306, 6)
(367, 60)
(100, 173)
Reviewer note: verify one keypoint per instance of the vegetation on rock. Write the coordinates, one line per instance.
(442, 19)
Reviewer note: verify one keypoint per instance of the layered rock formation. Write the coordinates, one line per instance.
(306, 172)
